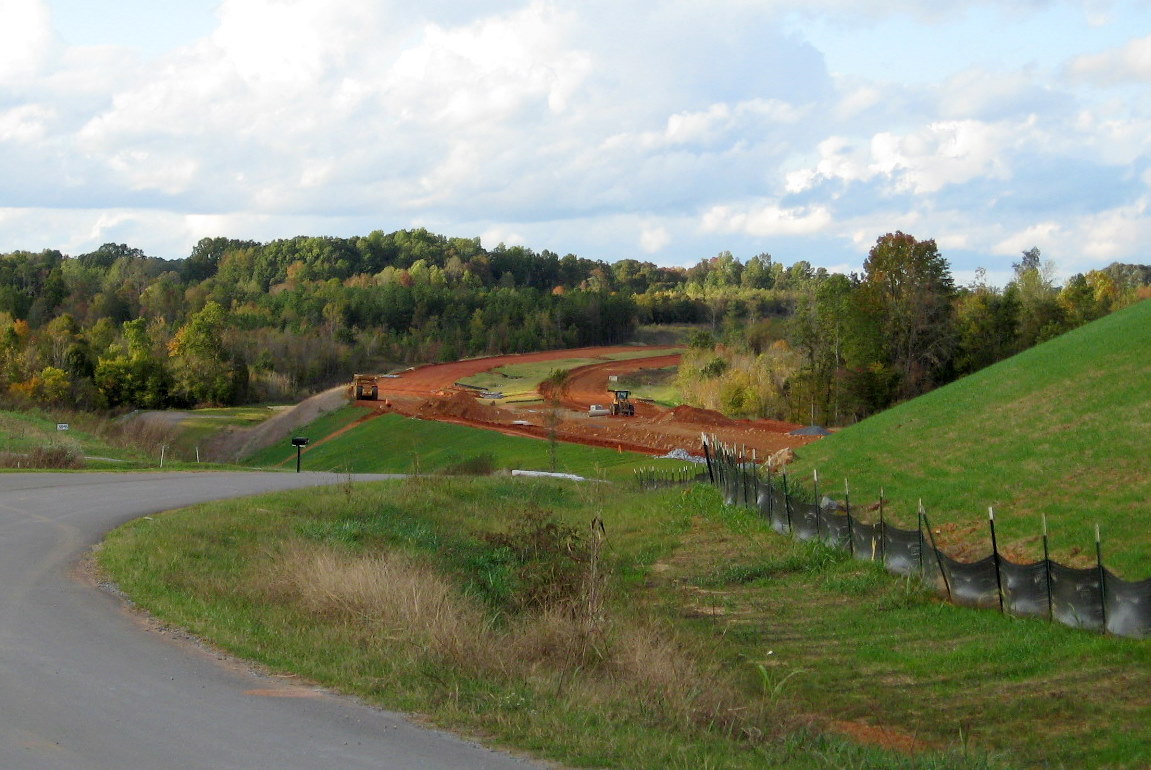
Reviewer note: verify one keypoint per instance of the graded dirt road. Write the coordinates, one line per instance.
(83, 685)
(430, 392)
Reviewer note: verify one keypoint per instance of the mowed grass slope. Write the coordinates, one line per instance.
(718, 643)
(397, 593)
(1060, 430)
(392, 443)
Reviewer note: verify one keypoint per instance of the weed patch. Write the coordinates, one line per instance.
(48, 458)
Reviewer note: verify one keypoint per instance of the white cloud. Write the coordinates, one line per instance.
(496, 235)
(1045, 235)
(1131, 63)
(766, 219)
(604, 128)
(26, 39)
(25, 123)
(653, 239)
(489, 70)
(944, 153)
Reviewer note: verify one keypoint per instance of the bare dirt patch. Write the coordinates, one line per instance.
(877, 735)
(430, 392)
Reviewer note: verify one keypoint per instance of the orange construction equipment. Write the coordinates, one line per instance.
(364, 387)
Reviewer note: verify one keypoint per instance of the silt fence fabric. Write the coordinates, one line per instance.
(1088, 598)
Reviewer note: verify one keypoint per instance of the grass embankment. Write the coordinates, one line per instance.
(657, 385)
(392, 443)
(520, 382)
(1061, 430)
(197, 426)
(31, 439)
(718, 642)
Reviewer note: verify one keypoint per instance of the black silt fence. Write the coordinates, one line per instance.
(660, 478)
(1091, 598)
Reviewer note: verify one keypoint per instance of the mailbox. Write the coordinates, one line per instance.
(299, 442)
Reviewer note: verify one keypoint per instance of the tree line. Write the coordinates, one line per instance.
(239, 320)
(851, 345)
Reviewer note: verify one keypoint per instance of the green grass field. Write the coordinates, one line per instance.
(748, 649)
(1060, 430)
(656, 385)
(392, 443)
(200, 424)
(519, 381)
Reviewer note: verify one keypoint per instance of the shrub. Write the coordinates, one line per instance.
(55, 457)
(483, 464)
(548, 556)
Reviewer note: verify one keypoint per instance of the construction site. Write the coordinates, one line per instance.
(584, 408)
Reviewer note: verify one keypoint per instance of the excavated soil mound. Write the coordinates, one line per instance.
(696, 416)
(462, 406)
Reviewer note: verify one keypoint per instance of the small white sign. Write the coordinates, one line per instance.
(61, 426)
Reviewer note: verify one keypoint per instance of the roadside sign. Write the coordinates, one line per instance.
(61, 426)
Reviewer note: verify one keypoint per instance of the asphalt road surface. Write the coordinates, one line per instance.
(84, 685)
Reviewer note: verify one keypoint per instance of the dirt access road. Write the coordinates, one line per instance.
(430, 392)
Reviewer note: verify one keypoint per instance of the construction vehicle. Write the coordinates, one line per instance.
(621, 406)
(364, 387)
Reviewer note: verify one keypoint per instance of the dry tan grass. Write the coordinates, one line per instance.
(52, 457)
(395, 597)
(388, 595)
(140, 432)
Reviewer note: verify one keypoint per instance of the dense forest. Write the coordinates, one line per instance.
(241, 321)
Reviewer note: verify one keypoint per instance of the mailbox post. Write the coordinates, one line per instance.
(299, 442)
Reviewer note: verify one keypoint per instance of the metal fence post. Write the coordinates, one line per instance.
(938, 554)
(1047, 572)
(787, 502)
(882, 532)
(1102, 577)
(818, 504)
(707, 458)
(995, 556)
(850, 529)
(919, 528)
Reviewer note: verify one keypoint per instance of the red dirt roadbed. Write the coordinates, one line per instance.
(429, 392)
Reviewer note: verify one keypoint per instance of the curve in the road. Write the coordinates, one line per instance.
(82, 686)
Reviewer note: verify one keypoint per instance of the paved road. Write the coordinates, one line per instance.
(82, 685)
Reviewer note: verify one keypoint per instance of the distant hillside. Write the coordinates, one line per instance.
(1062, 429)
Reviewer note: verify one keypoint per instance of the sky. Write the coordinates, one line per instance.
(659, 130)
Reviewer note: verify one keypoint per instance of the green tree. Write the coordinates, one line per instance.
(202, 369)
(1041, 316)
(986, 323)
(910, 286)
(757, 273)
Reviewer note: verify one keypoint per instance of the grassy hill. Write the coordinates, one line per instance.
(27, 432)
(1062, 429)
(392, 443)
